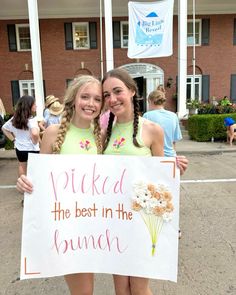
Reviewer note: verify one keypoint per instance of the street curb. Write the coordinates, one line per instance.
(11, 156)
(206, 152)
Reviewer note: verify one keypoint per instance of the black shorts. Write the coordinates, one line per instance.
(22, 156)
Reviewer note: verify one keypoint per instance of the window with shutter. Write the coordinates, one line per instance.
(116, 34)
(205, 31)
(233, 88)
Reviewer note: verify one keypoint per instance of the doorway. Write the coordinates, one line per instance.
(147, 77)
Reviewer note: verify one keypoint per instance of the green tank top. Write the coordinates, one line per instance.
(79, 141)
(121, 140)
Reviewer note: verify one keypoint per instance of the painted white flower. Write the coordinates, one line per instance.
(141, 195)
(153, 202)
(144, 200)
(162, 203)
(148, 209)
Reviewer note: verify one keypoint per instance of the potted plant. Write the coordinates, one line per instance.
(192, 105)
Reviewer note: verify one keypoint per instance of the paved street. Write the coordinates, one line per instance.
(207, 263)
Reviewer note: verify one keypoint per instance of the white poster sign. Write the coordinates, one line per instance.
(150, 29)
(101, 214)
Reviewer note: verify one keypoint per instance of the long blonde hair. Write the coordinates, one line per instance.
(69, 110)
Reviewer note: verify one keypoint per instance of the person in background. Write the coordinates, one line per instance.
(53, 115)
(2, 135)
(166, 119)
(231, 129)
(23, 130)
(78, 133)
(161, 88)
(104, 118)
(50, 99)
(2, 109)
(130, 135)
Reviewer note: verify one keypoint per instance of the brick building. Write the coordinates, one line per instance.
(71, 44)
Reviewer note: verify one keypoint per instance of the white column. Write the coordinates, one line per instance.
(108, 35)
(182, 57)
(36, 56)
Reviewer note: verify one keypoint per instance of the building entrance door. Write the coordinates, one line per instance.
(147, 77)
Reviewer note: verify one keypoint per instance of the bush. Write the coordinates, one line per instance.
(9, 145)
(204, 127)
(207, 108)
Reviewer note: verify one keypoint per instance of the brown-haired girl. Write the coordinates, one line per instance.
(130, 135)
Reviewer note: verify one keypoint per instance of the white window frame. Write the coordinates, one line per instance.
(30, 87)
(74, 38)
(199, 23)
(191, 83)
(122, 23)
(18, 26)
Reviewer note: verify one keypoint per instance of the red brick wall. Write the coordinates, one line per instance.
(217, 60)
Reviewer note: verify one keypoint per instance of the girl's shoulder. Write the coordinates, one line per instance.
(151, 127)
(49, 138)
(52, 130)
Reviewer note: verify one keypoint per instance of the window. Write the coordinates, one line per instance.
(81, 35)
(124, 34)
(190, 37)
(23, 37)
(27, 87)
(198, 87)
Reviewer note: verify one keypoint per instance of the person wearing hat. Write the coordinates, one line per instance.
(55, 110)
(50, 100)
(231, 129)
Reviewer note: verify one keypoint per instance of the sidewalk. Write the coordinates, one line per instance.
(185, 146)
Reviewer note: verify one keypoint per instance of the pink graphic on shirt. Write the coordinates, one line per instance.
(119, 142)
(85, 144)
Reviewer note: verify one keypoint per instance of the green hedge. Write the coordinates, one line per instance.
(204, 127)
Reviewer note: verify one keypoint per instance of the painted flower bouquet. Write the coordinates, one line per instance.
(85, 144)
(154, 203)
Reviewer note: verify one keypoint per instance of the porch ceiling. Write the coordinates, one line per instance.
(17, 9)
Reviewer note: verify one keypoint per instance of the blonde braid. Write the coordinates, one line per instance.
(97, 134)
(65, 123)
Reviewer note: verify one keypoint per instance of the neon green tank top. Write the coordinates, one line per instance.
(79, 141)
(121, 140)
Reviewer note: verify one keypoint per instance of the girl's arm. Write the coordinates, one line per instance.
(34, 134)
(7, 129)
(8, 134)
(49, 137)
(153, 137)
(157, 145)
(23, 184)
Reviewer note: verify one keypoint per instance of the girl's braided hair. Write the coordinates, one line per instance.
(124, 76)
(69, 110)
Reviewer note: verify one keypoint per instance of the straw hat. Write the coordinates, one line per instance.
(56, 108)
(50, 99)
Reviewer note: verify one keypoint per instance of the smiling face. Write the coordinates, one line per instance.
(118, 98)
(88, 104)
